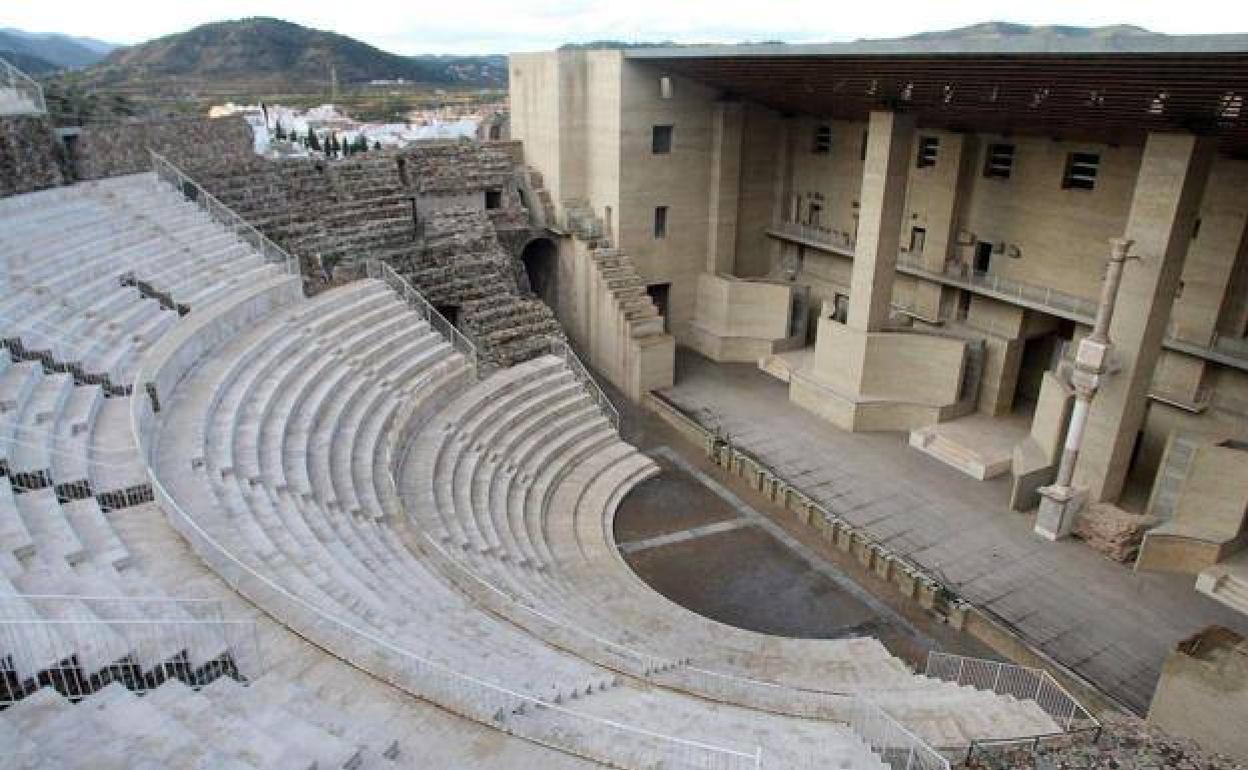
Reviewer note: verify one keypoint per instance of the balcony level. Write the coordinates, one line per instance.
(1223, 350)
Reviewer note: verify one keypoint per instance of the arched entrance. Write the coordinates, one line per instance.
(541, 265)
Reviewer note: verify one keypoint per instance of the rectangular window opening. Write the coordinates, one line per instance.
(823, 140)
(665, 87)
(999, 162)
(660, 221)
(928, 147)
(493, 199)
(661, 140)
(1081, 168)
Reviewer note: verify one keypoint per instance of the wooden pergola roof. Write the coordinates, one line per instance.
(1111, 97)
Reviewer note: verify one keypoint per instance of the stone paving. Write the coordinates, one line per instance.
(1108, 624)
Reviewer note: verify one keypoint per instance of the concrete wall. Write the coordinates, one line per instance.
(762, 153)
(911, 368)
(733, 308)
(679, 180)
(1203, 693)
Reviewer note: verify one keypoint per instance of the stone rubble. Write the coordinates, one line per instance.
(1112, 531)
(1126, 743)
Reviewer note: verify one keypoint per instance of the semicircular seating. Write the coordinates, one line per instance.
(99, 595)
(273, 445)
(512, 489)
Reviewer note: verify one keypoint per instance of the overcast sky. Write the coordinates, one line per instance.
(500, 26)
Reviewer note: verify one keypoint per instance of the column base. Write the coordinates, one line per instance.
(1059, 507)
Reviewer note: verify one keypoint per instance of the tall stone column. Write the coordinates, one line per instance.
(938, 193)
(1168, 189)
(782, 183)
(721, 240)
(882, 203)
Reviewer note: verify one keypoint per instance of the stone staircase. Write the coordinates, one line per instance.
(1227, 582)
(628, 292)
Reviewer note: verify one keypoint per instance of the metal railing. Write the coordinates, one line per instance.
(81, 643)
(1020, 682)
(27, 94)
(899, 748)
(560, 348)
(1006, 287)
(382, 271)
(1025, 292)
(244, 231)
(825, 236)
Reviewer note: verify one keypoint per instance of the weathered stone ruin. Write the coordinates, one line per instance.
(111, 149)
(439, 213)
(30, 155)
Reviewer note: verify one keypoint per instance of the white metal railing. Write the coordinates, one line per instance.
(1039, 295)
(79, 643)
(899, 748)
(562, 349)
(542, 720)
(1020, 682)
(244, 231)
(24, 94)
(382, 271)
(824, 236)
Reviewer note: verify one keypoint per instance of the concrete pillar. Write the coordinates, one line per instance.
(782, 186)
(882, 204)
(937, 192)
(726, 129)
(1171, 180)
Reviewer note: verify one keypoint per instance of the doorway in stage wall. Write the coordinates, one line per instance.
(983, 256)
(541, 267)
(659, 295)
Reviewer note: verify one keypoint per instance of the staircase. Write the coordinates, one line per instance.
(1227, 582)
(617, 273)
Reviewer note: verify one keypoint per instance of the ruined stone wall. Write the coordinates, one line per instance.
(421, 209)
(30, 155)
(113, 149)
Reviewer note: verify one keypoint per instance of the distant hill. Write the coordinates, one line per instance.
(989, 37)
(59, 51)
(273, 53)
(31, 65)
(1001, 36)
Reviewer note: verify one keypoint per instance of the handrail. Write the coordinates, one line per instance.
(897, 746)
(223, 214)
(26, 87)
(562, 349)
(383, 271)
(1021, 682)
(69, 652)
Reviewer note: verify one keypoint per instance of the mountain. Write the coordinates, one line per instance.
(1006, 37)
(31, 65)
(61, 51)
(264, 52)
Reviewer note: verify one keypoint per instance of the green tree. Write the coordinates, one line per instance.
(278, 131)
(376, 145)
(312, 142)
